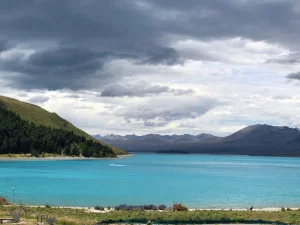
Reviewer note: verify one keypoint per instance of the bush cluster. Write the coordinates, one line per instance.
(125, 207)
(48, 206)
(100, 208)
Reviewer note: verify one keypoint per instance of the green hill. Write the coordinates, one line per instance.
(38, 115)
(41, 117)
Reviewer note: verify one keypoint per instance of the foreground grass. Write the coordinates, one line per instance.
(79, 216)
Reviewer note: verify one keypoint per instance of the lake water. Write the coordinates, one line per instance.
(195, 180)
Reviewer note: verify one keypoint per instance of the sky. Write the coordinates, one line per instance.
(165, 67)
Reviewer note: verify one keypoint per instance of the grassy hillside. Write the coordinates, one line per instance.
(40, 116)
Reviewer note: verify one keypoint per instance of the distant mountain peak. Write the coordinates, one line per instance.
(258, 139)
(263, 132)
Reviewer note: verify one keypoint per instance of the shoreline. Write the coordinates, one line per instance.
(30, 158)
(106, 210)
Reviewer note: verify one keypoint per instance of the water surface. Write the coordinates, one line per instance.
(196, 180)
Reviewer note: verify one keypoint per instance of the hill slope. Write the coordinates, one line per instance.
(41, 117)
(258, 139)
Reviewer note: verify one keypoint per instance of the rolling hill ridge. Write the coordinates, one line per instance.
(39, 116)
(47, 122)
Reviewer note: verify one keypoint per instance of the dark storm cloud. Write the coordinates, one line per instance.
(61, 57)
(55, 68)
(139, 30)
(129, 21)
(254, 19)
(167, 56)
(116, 25)
(3, 45)
(294, 76)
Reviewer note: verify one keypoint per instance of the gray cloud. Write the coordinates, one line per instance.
(293, 58)
(141, 31)
(38, 99)
(168, 56)
(157, 113)
(130, 91)
(56, 68)
(294, 76)
(141, 89)
(3, 45)
(282, 97)
(109, 21)
(74, 96)
(182, 91)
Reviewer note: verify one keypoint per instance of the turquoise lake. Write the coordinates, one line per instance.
(200, 181)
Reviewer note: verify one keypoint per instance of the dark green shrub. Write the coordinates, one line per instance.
(121, 207)
(162, 207)
(152, 207)
(282, 209)
(125, 207)
(100, 208)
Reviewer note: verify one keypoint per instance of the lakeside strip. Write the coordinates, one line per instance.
(29, 158)
(106, 210)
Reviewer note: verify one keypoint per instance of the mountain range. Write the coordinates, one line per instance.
(260, 140)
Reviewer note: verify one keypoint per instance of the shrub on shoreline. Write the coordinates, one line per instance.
(152, 207)
(48, 206)
(162, 207)
(179, 207)
(100, 208)
(3, 201)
